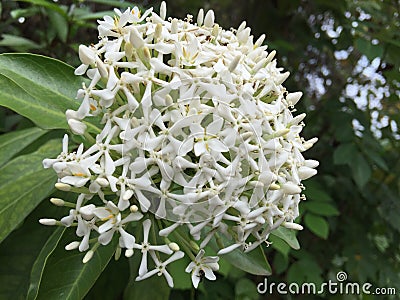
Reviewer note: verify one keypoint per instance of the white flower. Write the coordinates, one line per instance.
(160, 268)
(145, 247)
(202, 266)
(197, 129)
(113, 222)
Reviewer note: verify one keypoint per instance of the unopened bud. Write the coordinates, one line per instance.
(117, 253)
(200, 17)
(234, 63)
(290, 188)
(282, 78)
(129, 252)
(271, 56)
(209, 19)
(174, 26)
(274, 187)
(259, 41)
(163, 10)
(133, 208)
(174, 246)
(48, 222)
(72, 245)
(76, 126)
(158, 31)
(86, 55)
(102, 181)
(291, 225)
(62, 186)
(58, 202)
(128, 49)
(194, 245)
(88, 256)
(136, 38)
(293, 98)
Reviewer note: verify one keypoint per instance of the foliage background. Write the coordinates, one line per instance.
(343, 54)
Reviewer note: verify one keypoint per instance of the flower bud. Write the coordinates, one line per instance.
(259, 41)
(306, 172)
(129, 252)
(200, 17)
(163, 10)
(293, 98)
(57, 202)
(234, 63)
(174, 246)
(86, 55)
(102, 181)
(63, 187)
(88, 256)
(291, 225)
(209, 19)
(271, 56)
(48, 222)
(290, 188)
(136, 38)
(77, 127)
(133, 208)
(72, 246)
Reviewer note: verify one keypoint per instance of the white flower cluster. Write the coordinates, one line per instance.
(198, 140)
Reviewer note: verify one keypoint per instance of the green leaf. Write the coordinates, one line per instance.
(344, 154)
(13, 142)
(321, 208)
(377, 159)
(361, 170)
(41, 260)
(145, 289)
(253, 262)
(65, 276)
(23, 185)
(48, 4)
(280, 245)
(288, 235)
(246, 289)
(60, 24)
(18, 43)
(19, 251)
(368, 49)
(317, 225)
(36, 86)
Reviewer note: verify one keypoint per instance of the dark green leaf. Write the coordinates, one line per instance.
(48, 4)
(41, 260)
(13, 142)
(18, 43)
(246, 289)
(321, 208)
(253, 262)
(361, 170)
(36, 86)
(145, 289)
(317, 225)
(344, 154)
(66, 277)
(23, 185)
(288, 235)
(60, 24)
(19, 251)
(368, 49)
